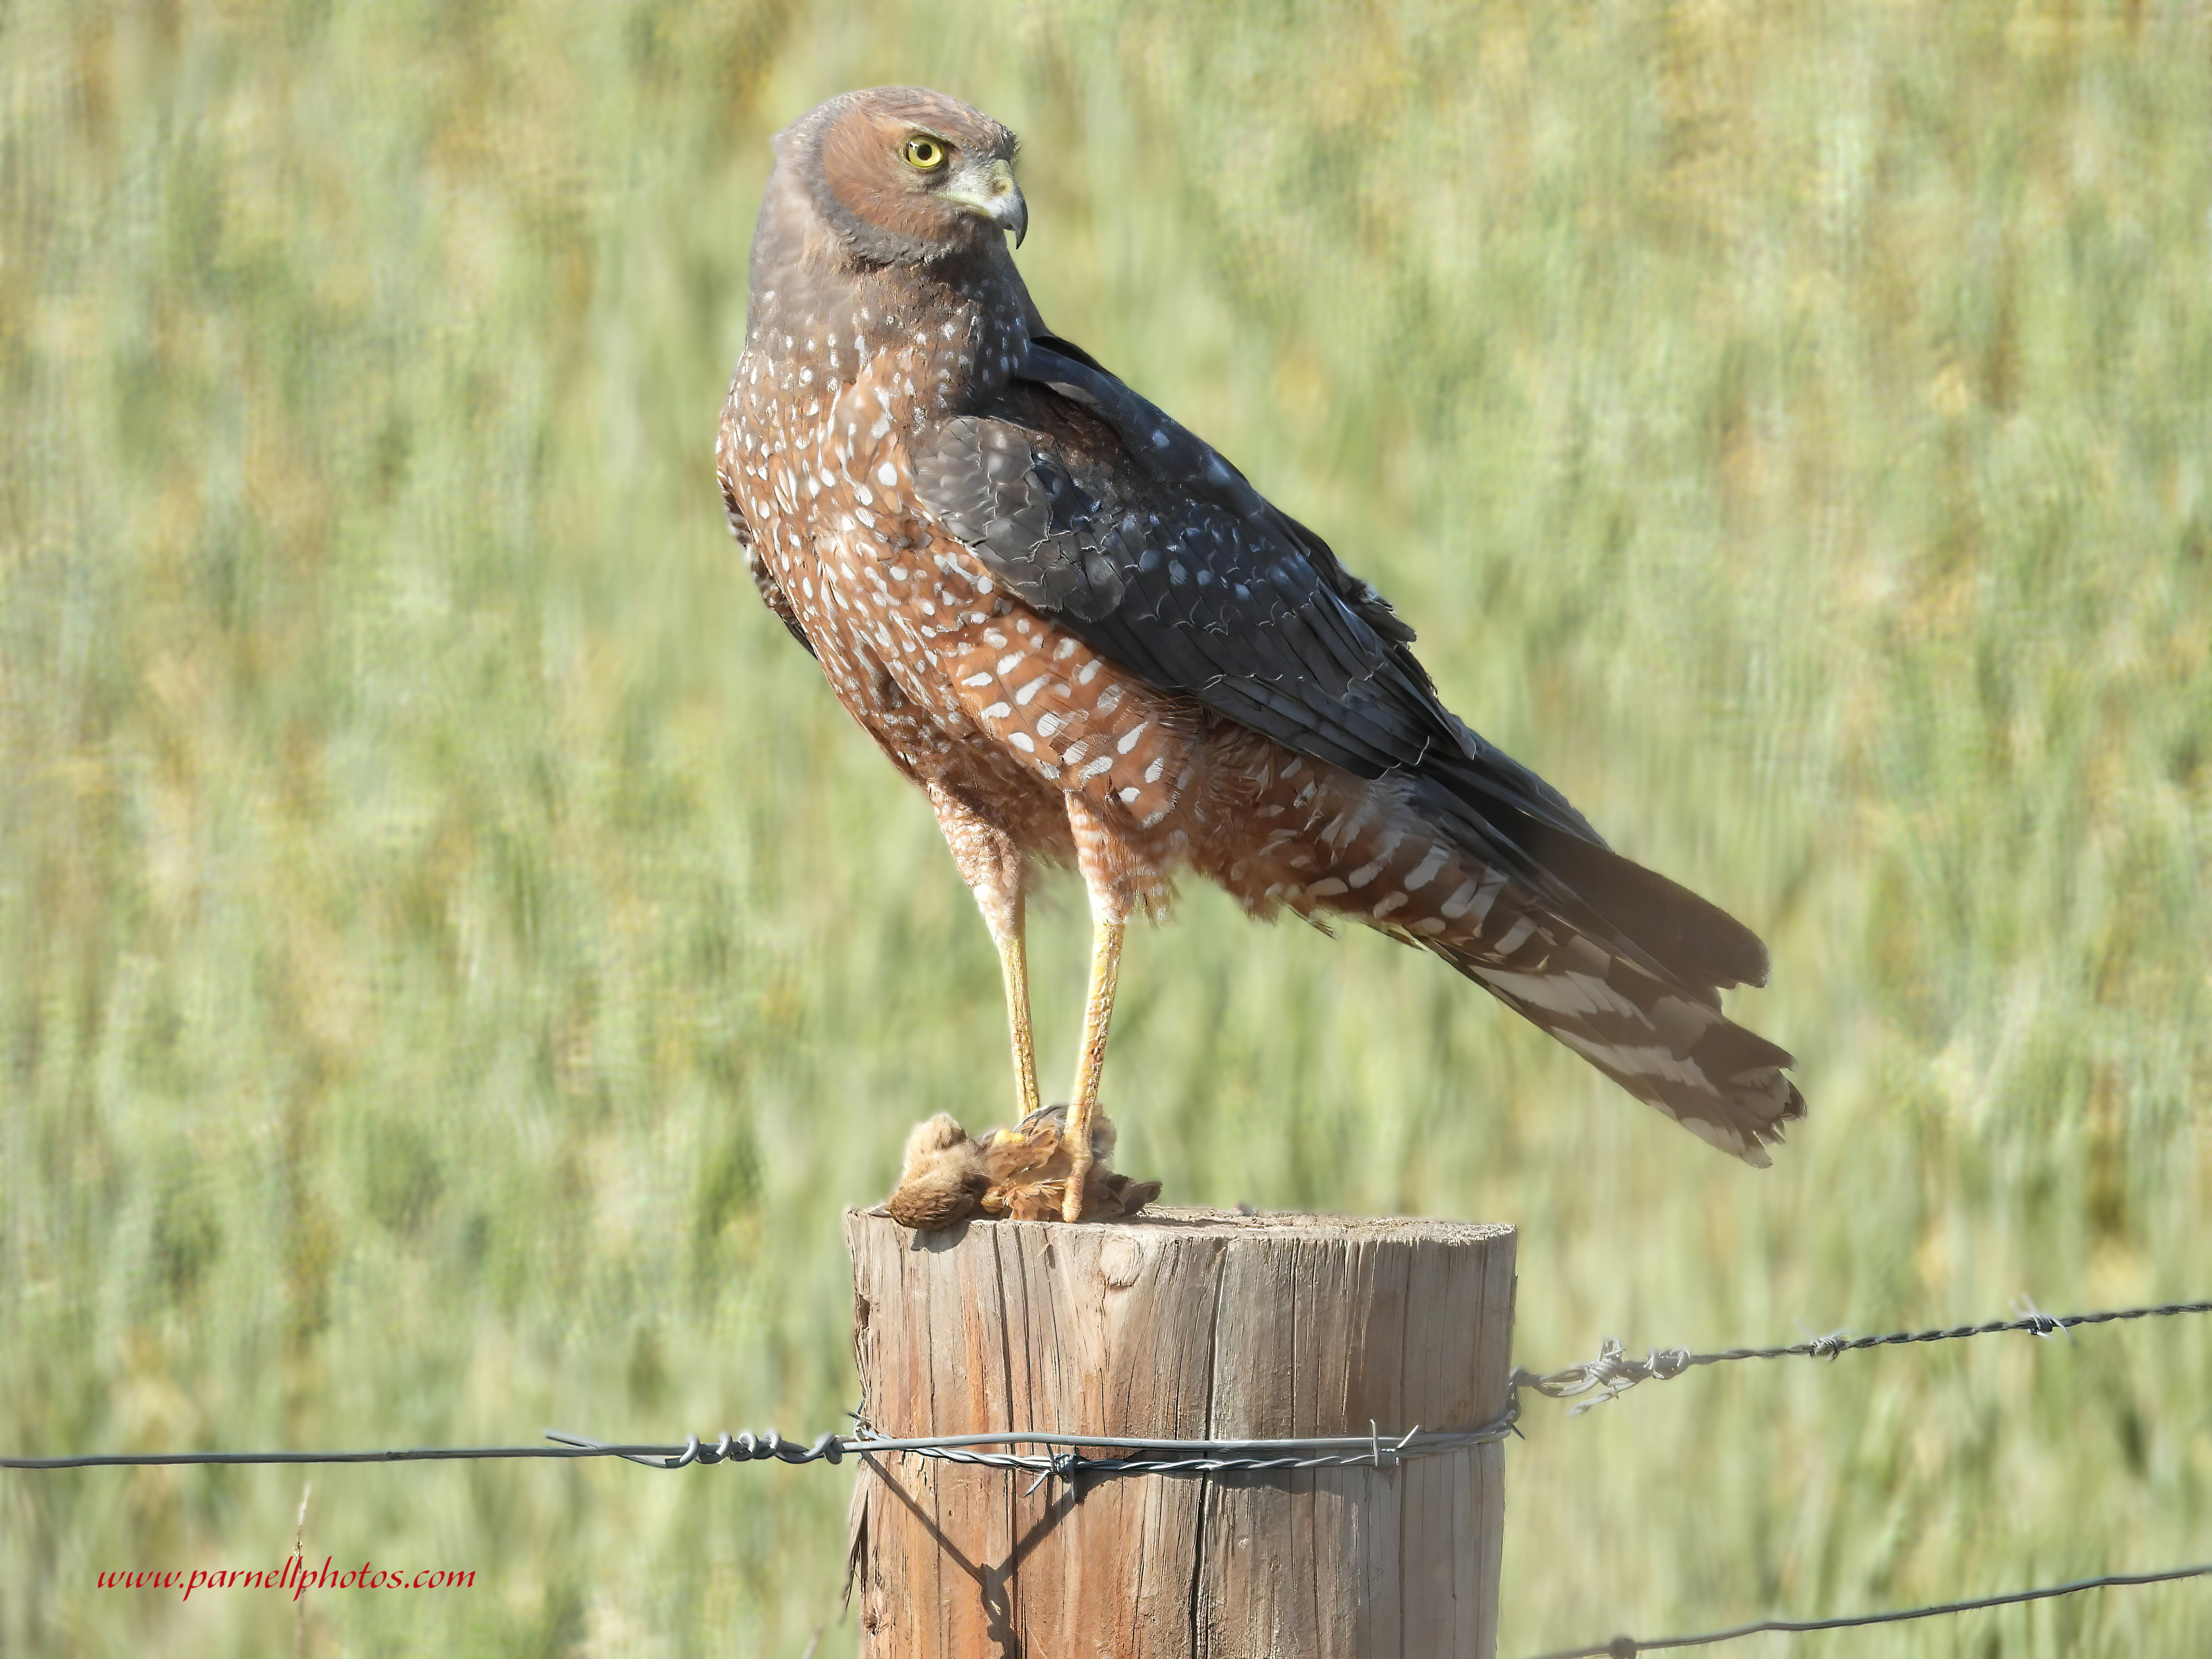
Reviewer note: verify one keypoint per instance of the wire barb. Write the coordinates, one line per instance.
(1612, 1373)
(742, 1447)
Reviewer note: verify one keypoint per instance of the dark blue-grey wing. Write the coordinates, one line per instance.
(1092, 507)
(1156, 563)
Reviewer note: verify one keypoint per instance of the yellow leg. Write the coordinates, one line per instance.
(991, 865)
(1014, 966)
(1097, 1014)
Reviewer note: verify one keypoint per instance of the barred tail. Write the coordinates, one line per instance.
(1661, 1043)
(1617, 962)
(1620, 964)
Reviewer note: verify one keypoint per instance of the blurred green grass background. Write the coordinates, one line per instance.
(456, 958)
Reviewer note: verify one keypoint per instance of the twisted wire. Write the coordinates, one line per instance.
(1606, 1377)
(1376, 1450)
(1612, 1373)
(1148, 1456)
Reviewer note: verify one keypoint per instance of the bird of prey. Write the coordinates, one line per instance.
(1087, 638)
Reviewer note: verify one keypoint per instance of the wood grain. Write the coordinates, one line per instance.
(1181, 1324)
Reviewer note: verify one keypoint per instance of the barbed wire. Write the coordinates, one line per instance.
(1627, 1647)
(1606, 1377)
(1609, 1376)
(1612, 1373)
(1145, 1456)
(397, 1455)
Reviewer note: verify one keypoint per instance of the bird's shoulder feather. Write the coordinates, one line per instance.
(1093, 505)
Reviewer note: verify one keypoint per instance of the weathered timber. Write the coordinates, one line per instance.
(1181, 1324)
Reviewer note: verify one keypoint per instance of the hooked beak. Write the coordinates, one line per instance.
(991, 193)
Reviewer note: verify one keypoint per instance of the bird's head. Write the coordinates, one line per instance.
(903, 174)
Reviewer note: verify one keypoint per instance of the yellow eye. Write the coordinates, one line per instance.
(925, 153)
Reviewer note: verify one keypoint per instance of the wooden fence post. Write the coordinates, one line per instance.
(1182, 1324)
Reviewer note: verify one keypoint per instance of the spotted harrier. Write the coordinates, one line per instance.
(1088, 639)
